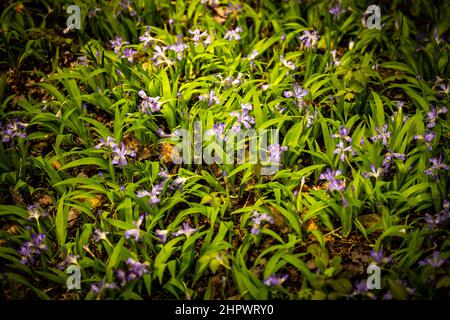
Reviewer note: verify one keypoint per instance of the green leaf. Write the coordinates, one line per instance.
(61, 222)
(86, 162)
(114, 259)
(342, 285)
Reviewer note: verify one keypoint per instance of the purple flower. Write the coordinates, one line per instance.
(36, 212)
(142, 193)
(310, 118)
(186, 230)
(446, 206)
(117, 44)
(83, 61)
(427, 137)
(275, 151)
(309, 39)
(31, 249)
(120, 154)
(219, 131)
(135, 232)
(273, 280)
(122, 277)
(280, 108)
(434, 114)
(162, 134)
(243, 118)
(336, 11)
(258, 219)
(334, 184)
(119, 74)
(211, 98)
(27, 251)
(330, 175)
(287, 64)
(128, 54)
(149, 102)
(436, 35)
(433, 222)
(362, 142)
(136, 269)
(445, 89)
(233, 34)
(298, 92)
(374, 172)
(164, 174)
(337, 185)
(382, 135)
(266, 86)
(92, 13)
(387, 296)
(343, 133)
(233, 8)
(38, 241)
(159, 56)
(360, 288)
(162, 235)
(13, 129)
(200, 37)
(436, 165)
(100, 286)
(99, 235)
(389, 156)
(179, 47)
(230, 81)
(153, 195)
(378, 257)
(255, 230)
(146, 38)
(436, 261)
(341, 150)
(126, 5)
(253, 55)
(71, 259)
(109, 142)
(336, 61)
(179, 182)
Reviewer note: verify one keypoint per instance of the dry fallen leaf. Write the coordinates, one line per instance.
(168, 151)
(13, 229)
(94, 202)
(328, 238)
(57, 165)
(220, 14)
(144, 154)
(73, 216)
(44, 200)
(20, 8)
(310, 225)
(311, 265)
